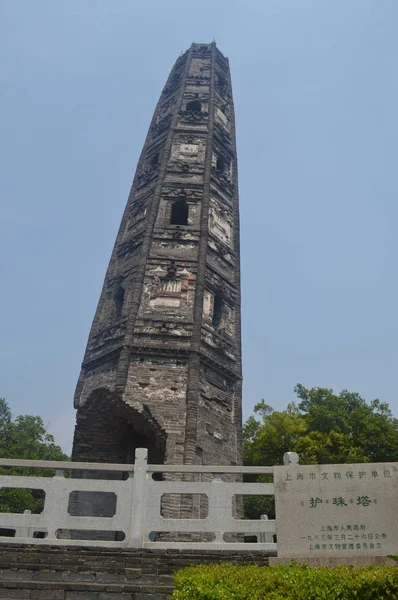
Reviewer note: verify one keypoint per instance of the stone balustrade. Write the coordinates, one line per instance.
(137, 493)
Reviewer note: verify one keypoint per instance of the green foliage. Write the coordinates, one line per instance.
(255, 506)
(323, 428)
(264, 443)
(26, 438)
(294, 582)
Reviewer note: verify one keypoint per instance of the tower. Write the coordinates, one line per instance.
(162, 367)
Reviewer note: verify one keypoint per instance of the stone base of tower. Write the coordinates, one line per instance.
(184, 411)
(80, 573)
(156, 413)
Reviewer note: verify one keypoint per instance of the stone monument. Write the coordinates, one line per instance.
(336, 513)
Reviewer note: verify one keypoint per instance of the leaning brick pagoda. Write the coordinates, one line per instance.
(162, 368)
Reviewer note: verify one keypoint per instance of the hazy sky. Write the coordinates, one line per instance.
(316, 98)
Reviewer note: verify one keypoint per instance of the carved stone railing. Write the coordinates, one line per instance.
(138, 499)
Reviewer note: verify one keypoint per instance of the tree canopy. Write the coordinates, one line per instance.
(323, 428)
(26, 437)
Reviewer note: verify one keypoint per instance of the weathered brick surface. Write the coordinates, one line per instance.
(162, 368)
(57, 573)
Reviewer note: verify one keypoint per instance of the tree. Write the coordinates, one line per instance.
(354, 431)
(323, 428)
(26, 437)
(264, 443)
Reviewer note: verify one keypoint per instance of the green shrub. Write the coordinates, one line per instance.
(294, 582)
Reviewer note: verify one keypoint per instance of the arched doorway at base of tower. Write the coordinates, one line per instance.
(109, 431)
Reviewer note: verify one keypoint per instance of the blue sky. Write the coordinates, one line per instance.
(316, 96)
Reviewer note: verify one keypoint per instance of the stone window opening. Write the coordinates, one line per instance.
(171, 270)
(194, 106)
(221, 81)
(170, 285)
(119, 301)
(155, 160)
(179, 213)
(221, 164)
(218, 307)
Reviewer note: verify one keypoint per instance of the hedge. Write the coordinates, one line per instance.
(294, 582)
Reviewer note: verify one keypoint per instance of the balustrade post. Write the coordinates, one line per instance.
(266, 538)
(138, 512)
(25, 532)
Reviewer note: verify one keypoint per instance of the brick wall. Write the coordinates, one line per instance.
(56, 573)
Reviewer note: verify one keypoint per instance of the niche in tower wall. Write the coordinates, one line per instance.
(179, 212)
(194, 106)
(222, 84)
(222, 118)
(221, 165)
(220, 221)
(189, 149)
(173, 292)
(219, 315)
(118, 298)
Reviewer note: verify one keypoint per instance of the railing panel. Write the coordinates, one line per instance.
(55, 514)
(138, 508)
(220, 520)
